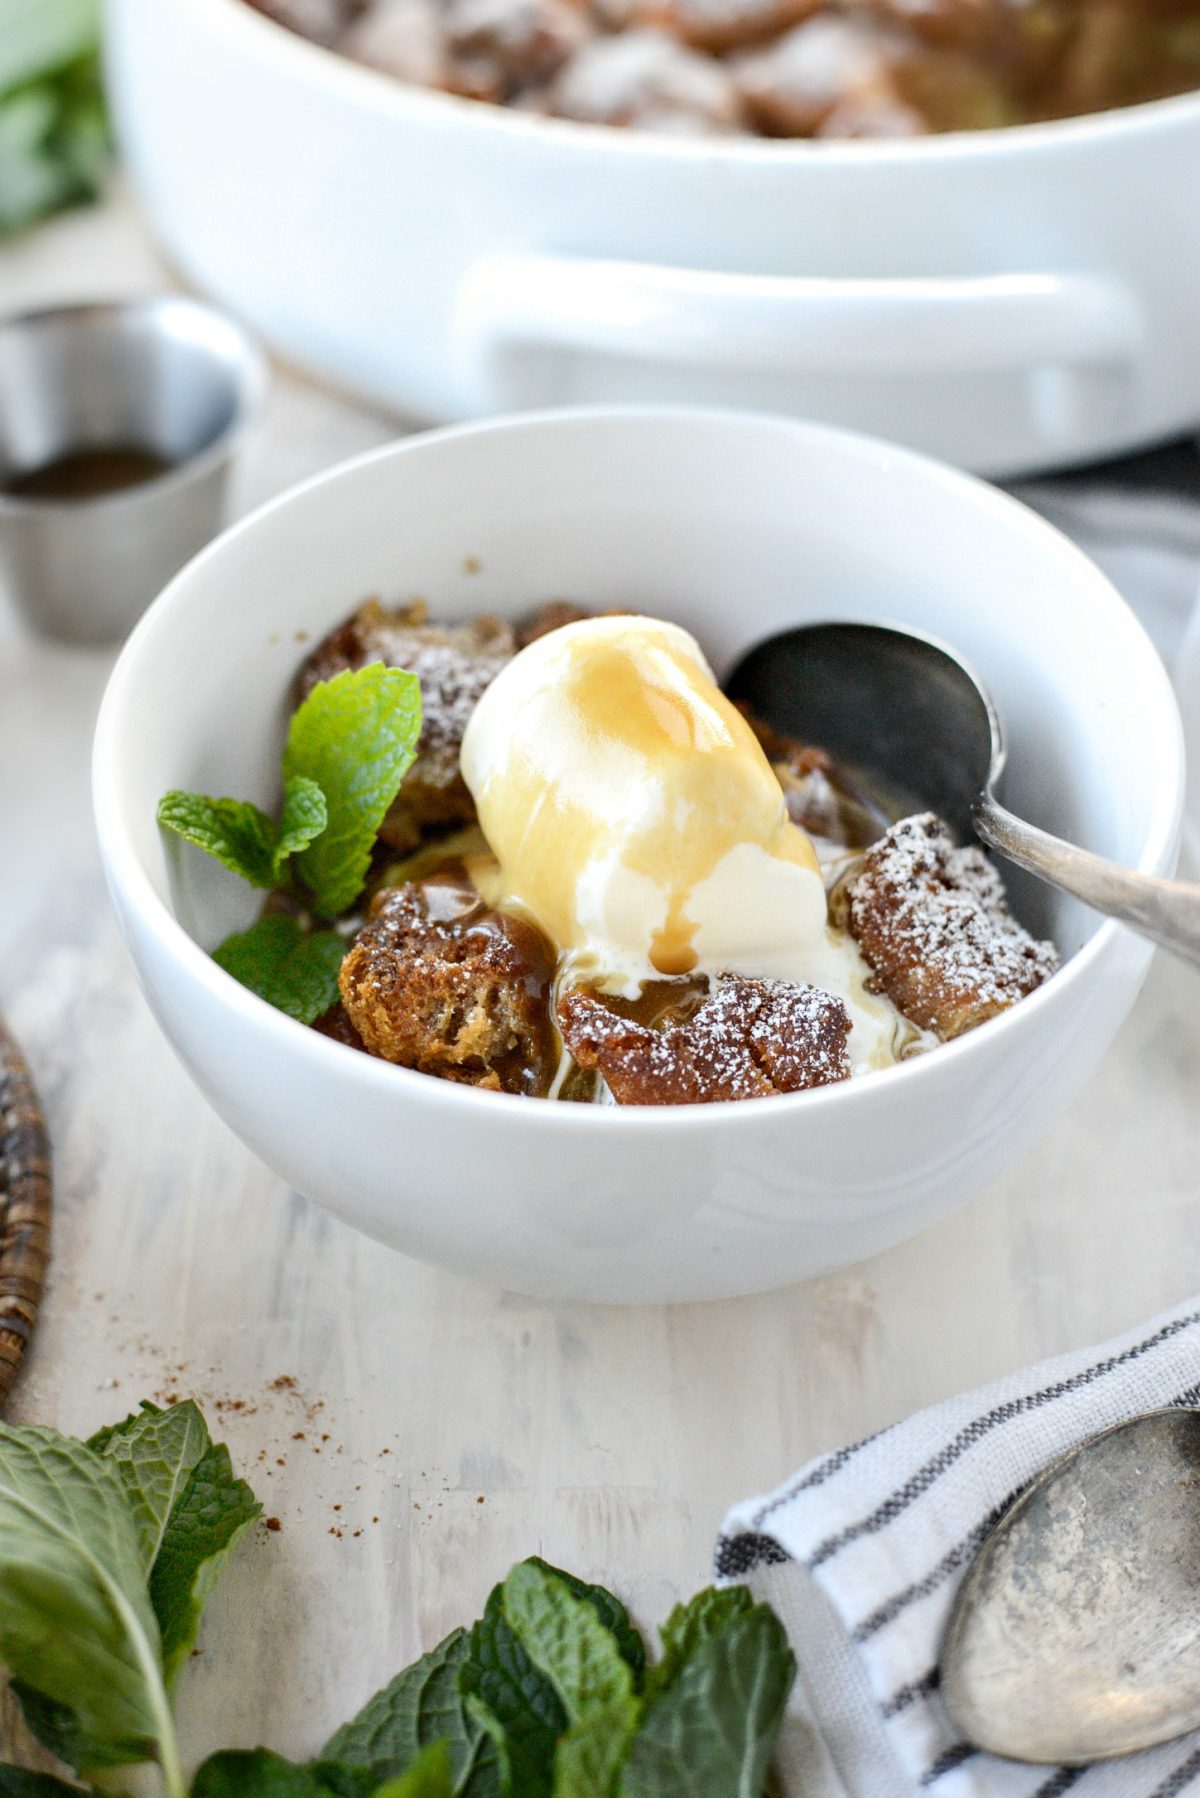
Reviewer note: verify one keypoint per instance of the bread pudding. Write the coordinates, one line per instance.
(616, 887)
(776, 68)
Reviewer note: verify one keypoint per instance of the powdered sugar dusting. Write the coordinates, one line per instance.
(934, 924)
(454, 664)
(452, 679)
(749, 1039)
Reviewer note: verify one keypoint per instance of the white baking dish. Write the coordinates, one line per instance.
(1010, 300)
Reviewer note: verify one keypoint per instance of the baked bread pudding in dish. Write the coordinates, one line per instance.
(615, 886)
(778, 68)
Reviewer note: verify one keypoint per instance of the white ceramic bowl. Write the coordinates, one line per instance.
(736, 526)
(1009, 300)
(1187, 685)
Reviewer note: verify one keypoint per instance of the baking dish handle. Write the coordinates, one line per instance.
(788, 324)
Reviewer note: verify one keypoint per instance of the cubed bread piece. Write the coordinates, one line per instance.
(335, 1023)
(989, 26)
(402, 38)
(437, 982)
(454, 664)
(720, 26)
(526, 42)
(827, 77)
(321, 20)
(648, 79)
(550, 616)
(933, 923)
(749, 1039)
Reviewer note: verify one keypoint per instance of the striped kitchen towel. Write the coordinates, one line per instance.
(861, 1554)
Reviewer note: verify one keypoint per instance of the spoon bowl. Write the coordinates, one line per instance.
(908, 711)
(889, 703)
(1075, 1636)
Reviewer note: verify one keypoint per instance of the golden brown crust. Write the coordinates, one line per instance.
(933, 923)
(870, 68)
(829, 75)
(749, 1039)
(454, 664)
(649, 78)
(719, 26)
(523, 43)
(321, 20)
(437, 982)
(335, 1024)
(550, 616)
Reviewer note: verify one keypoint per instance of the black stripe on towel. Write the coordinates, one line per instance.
(951, 1563)
(909, 1694)
(1060, 1782)
(816, 1476)
(947, 1762)
(739, 1555)
(1182, 1776)
(958, 1556)
(977, 1429)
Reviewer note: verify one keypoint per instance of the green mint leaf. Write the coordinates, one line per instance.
(711, 1733)
(566, 1640)
(515, 1703)
(356, 737)
(341, 1781)
(55, 1725)
(18, 1782)
(190, 1507)
(429, 1776)
(76, 1625)
(38, 37)
(258, 1773)
(241, 837)
(694, 1623)
(101, 1438)
(154, 1451)
(303, 818)
(611, 1612)
(293, 969)
(422, 1706)
(589, 1756)
(207, 1520)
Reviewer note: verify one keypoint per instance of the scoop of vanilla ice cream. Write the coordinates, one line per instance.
(633, 813)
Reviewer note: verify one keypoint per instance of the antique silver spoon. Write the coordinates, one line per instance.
(1075, 1636)
(913, 713)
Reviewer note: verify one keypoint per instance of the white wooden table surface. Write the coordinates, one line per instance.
(414, 1433)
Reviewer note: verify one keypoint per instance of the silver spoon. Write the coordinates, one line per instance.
(911, 712)
(1075, 1636)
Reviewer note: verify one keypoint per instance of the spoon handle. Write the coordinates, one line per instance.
(1166, 911)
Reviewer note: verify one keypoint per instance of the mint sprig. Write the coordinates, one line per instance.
(291, 968)
(54, 139)
(711, 1728)
(208, 1520)
(108, 1549)
(423, 1705)
(349, 746)
(354, 737)
(243, 838)
(111, 1558)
